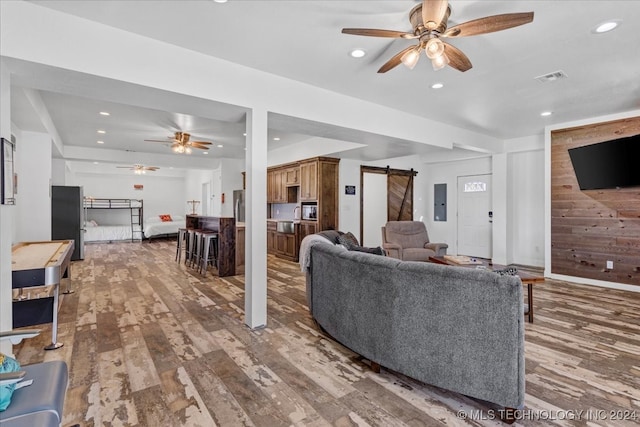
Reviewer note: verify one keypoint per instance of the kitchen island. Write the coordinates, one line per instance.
(226, 229)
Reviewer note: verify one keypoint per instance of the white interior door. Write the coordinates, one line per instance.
(206, 198)
(474, 222)
(374, 208)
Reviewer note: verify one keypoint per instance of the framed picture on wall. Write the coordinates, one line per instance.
(7, 184)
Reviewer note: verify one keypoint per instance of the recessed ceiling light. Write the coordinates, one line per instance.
(104, 113)
(205, 152)
(606, 26)
(220, 1)
(100, 142)
(546, 113)
(276, 139)
(357, 53)
(95, 163)
(437, 86)
(102, 131)
(244, 134)
(219, 145)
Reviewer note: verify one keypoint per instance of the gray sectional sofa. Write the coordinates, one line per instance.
(457, 328)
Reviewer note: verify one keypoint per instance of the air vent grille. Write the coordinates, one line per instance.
(552, 77)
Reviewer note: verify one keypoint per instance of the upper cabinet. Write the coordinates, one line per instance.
(309, 181)
(282, 184)
(292, 176)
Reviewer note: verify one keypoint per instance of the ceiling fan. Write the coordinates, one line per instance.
(139, 169)
(181, 143)
(429, 22)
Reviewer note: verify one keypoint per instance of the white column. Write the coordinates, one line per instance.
(6, 217)
(255, 299)
(500, 184)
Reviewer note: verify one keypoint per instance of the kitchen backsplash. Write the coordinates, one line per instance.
(284, 211)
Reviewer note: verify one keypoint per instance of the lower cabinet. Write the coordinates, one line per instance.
(240, 250)
(271, 237)
(287, 246)
(306, 228)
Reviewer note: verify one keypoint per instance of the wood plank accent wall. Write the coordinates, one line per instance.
(593, 226)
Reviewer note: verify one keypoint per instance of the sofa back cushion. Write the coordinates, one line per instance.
(408, 234)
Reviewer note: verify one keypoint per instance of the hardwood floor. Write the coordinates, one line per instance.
(150, 343)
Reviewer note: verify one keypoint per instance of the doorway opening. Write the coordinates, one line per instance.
(378, 207)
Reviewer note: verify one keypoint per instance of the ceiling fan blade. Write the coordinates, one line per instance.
(395, 61)
(201, 142)
(457, 59)
(489, 24)
(201, 146)
(433, 12)
(124, 167)
(378, 33)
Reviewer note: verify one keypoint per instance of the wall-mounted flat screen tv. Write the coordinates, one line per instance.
(609, 164)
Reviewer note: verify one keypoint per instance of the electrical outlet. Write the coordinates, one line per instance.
(609, 265)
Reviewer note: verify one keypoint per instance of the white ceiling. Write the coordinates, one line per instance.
(301, 40)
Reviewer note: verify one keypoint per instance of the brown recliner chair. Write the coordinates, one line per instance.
(409, 241)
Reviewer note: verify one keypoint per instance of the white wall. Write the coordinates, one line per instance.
(161, 195)
(33, 200)
(526, 203)
(58, 172)
(448, 173)
(349, 218)
(192, 189)
(6, 216)
(231, 179)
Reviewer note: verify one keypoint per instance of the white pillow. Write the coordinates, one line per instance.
(92, 223)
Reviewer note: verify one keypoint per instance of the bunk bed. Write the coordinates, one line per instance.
(97, 232)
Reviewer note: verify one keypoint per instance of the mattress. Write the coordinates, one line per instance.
(107, 233)
(160, 228)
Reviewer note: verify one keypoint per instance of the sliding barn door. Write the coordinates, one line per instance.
(374, 212)
(399, 197)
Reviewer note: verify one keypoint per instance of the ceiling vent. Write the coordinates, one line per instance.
(552, 77)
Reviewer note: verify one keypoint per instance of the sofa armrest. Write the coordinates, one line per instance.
(439, 248)
(393, 250)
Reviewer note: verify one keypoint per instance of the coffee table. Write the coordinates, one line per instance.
(525, 278)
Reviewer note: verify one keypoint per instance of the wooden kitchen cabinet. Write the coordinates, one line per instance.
(309, 181)
(240, 245)
(287, 246)
(307, 228)
(271, 237)
(292, 176)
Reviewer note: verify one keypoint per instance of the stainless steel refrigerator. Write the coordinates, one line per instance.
(67, 217)
(238, 205)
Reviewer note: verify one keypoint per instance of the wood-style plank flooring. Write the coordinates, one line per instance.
(151, 343)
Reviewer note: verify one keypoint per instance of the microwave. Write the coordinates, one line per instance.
(310, 212)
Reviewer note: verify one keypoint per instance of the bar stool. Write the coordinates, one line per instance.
(209, 252)
(181, 243)
(190, 245)
(197, 254)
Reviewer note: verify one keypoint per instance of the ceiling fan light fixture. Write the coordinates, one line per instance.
(434, 48)
(410, 59)
(440, 62)
(187, 150)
